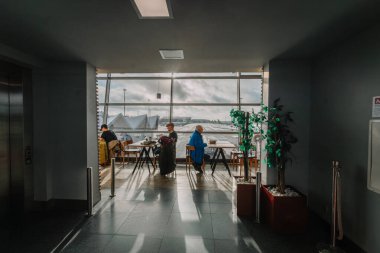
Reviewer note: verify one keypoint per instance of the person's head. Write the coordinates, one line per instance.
(170, 126)
(104, 127)
(199, 128)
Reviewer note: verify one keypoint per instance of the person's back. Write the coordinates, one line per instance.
(110, 138)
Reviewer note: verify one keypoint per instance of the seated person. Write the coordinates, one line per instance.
(198, 155)
(111, 140)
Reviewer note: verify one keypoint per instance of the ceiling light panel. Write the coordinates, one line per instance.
(152, 8)
(172, 54)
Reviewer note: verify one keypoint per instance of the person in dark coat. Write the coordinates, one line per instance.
(198, 155)
(167, 155)
(172, 134)
(113, 145)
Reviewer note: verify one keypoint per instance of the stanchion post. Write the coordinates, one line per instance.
(335, 165)
(258, 192)
(112, 178)
(89, 192)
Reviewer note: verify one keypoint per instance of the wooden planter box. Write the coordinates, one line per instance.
(284, 214)
(245, 198)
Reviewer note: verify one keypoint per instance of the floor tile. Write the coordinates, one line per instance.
(187, 245)
(151, 225)
(189, 225)
(143, 208)
(220, 197)
(222, 208)
(228, 226)
(133, 244)
(191, 207)
(105, 223)
(90, 243)
(239, 246)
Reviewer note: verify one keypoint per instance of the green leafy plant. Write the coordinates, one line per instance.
(241, 120)
(279, 141)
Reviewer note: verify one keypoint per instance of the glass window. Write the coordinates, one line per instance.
(251, 73)
(205, 91)
(219, 74)
(208, 89)
(138, 117)
(250, 91)
(213, 118)
(250, 109)
(140, 91)
(141, 75)
(101, 90)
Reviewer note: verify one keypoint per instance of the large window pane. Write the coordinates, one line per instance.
(213, 118)
(251, 109)
(250, 91)
(138, 118)
(205, 91)
(169, 75)
(101, 90)
(140, 91)
(218, 74)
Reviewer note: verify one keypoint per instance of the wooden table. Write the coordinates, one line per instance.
(144, 154)
(219, 146)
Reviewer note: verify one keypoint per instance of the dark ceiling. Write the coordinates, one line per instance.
(216, 35)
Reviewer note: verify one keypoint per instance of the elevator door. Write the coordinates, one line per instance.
(5, 172)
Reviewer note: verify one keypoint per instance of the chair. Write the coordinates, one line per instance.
(128, 150)
(235, 158)
(189, 161)
(252, 162)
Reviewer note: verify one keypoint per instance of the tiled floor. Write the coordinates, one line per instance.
(179, 213)
(150, 213)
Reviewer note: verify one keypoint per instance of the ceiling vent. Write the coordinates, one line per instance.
(172, 54)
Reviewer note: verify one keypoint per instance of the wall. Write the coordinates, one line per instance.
(92, 131)
(65, 143)
(344, 81)
(61, 112)
(290, 81)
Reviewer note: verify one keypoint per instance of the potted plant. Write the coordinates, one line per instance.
(284, 207)
(245, 188)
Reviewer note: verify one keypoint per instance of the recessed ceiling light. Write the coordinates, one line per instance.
(169, 54)
(152, 8)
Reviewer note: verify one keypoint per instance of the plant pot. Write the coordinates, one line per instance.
(245, 197)
(285, 214)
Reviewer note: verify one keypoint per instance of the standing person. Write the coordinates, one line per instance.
(111, 140)
(172, 133)
(198, 155)
(174, 136)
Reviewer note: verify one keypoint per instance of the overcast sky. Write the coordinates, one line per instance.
(184, 91)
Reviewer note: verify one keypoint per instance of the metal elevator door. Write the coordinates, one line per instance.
(11, 143)
(5, 168)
